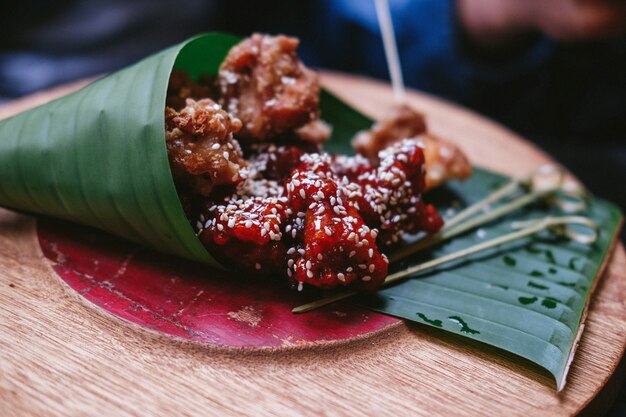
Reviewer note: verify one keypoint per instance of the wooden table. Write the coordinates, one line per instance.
(60, 355)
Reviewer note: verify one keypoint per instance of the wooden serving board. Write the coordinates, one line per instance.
(61, 355)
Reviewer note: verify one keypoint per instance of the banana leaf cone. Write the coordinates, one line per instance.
(98, 156)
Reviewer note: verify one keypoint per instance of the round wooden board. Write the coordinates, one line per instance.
(60, 355)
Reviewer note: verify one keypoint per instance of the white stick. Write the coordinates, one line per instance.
(391, 49)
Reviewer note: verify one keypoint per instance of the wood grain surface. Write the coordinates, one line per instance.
(61, 355)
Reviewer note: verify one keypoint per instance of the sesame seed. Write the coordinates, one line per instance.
(372, 268)
(248, 224)
(341, 277)
(309, 273)
(302, 193)
(231, 223)
(328, 231)
(290, 263)
(370, 252)
(366, 278)
(226, 155)
(215, 146)
(300, 286)
(352, 254)
(257, 266)
(308, 265)
(220, 227)
(320, 256)
(291, 251)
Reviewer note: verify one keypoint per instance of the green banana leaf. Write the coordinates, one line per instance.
(526, 297)
(98, 157)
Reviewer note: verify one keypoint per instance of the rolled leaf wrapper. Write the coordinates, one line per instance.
(98, 156)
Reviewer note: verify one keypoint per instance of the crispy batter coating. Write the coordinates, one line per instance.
(263, 82)
(201, 148)
(444, 160)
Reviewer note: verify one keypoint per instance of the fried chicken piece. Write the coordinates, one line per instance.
(390, 193)
(247, 232)
(337, 247)
(444, 160)
(201, 148)
(181, 87)
(263, 83)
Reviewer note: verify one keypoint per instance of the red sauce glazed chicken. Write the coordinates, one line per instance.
(278, 205)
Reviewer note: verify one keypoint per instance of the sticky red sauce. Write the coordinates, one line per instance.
(192, 301)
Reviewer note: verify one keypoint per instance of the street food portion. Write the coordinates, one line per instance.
(278, 205)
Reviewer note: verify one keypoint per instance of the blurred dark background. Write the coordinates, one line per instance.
(560, 81)
(553, 71)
